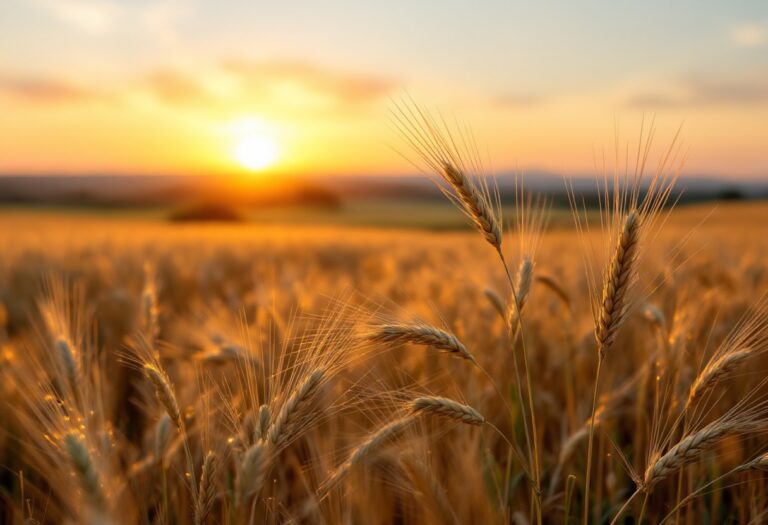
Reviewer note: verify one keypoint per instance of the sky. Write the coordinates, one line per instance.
(307, 87)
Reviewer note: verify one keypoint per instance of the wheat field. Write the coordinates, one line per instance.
(606, 372)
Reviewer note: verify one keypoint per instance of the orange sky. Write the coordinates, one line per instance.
(99, 86)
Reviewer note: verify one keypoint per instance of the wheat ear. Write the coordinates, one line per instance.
(282, 426)
(86, 471)
(263, 421)
(612, 310)
(421, 334)
(551, 283)
(522, 289)
(714, 372)
(161, 436)
(692, 446)
(69, 362)
(251, 473)
(439, 406)
(149, 311)
(759, 463)
(497, 302)
(474, 204)
(365, 449)
(439, 151)
(448, 408)
(205, 489)
(164, 392)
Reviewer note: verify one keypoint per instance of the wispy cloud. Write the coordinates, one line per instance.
(175, 87)
(47, 90)
(287, 85)
(751, 89)
(156, 20)
(736, 90)
(750, 35)
(344, 87)
(91, 16)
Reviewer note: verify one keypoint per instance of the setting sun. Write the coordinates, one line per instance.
(256, 152)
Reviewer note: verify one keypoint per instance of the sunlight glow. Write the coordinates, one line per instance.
(256, 152)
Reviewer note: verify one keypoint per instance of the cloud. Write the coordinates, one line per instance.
(344, 87)
(46, 90)
(276, 85)
(282, 86)
(744, 90)
(90, 16)
(750, 35)
(176, 87)
(157, 20)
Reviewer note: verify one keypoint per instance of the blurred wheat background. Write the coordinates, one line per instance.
(156, 373)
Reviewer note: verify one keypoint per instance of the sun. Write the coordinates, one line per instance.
(256, 152)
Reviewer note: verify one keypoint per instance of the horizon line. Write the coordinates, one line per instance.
(531, 172)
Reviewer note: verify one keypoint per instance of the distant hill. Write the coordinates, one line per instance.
(540, 182)
(327, 191)
(149, 190)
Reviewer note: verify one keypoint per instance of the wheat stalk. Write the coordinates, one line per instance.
(572, 441)
(609, 406)
(611, 314)
(421, 334)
